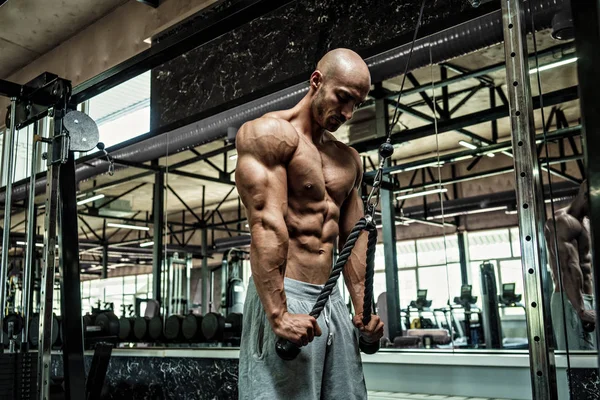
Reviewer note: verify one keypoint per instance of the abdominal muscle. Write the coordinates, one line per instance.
(310, 249)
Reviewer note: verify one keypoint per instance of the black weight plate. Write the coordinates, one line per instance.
(173, 327)
(34, 330)
(191, 328)
(83, 131)
(17, 321)
(140, 328)
(155, 328)
(213, 325)
(125, 329)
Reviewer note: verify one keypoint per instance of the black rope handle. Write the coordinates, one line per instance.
(288, 350)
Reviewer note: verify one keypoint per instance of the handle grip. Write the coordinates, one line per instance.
(589, 327)
(286, 350)
(368, 347)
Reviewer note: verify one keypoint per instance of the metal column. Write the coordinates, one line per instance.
(530, 200)
(388, 218)
(30, 248)
(48, 268)
(159, 222)
(9, 150)
(205, 272)
(586, 15)
(73, 362)
(463, 258)
(104, 261)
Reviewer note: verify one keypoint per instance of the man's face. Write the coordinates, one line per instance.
(335, 102)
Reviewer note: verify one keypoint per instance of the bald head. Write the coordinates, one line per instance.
(347, 66)
(339, 84)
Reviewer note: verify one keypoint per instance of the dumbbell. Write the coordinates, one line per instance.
(173, 331)
(34, 330)
(216, 327)
(105, 324)
(148, 329)
(191, 328)
(126, 329)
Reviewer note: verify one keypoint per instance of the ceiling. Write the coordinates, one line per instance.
(31, 28)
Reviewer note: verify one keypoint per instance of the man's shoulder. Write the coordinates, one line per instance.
(269, 139)
(269, 126)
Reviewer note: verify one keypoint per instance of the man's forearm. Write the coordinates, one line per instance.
(267, 259)
(354, 272)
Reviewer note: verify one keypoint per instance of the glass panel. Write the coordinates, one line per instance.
(487, 245)
(407, 255)
(122, 112)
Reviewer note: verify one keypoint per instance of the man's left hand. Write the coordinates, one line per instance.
(373, 331)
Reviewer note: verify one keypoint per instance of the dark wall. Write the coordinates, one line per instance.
(283, 47)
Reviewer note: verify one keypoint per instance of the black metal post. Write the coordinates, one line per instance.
(463, 258)
(104, 261)
(494, 122)
(586, 16)
(388, 229)
(158, 212)
(73, 363)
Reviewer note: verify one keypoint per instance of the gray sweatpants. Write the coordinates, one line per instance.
(328, 368)
(577, 338)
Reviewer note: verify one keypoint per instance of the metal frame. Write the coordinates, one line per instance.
(530, 201)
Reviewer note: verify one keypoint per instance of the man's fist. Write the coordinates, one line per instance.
(299, 329)
(373, 331)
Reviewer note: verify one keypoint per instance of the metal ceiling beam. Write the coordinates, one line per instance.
(449, 158)
(550, 99)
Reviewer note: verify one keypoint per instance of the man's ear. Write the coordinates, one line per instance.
(316, 79)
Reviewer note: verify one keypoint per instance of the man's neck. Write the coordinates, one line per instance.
(304, 122)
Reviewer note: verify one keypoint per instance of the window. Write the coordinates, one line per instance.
(442, 283)
(487, 245)
(121, 291)
(122, 112)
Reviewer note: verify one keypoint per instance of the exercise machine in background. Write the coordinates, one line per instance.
(71, 131)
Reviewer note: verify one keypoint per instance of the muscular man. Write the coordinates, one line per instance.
(300, 189)
(574, 259)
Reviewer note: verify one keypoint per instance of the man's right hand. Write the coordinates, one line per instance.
(299, 329)
(588, 316)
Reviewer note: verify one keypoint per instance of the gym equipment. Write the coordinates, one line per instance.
(148, 329)
(216, 327)
(176, 293)
(508, 298)
(173, 331)
(421, 305)
(492, 328)
(106, 324)
(191, 328)
(470, 330)
(17, 323)
(126, 329)
(232, 285)
(34, 330)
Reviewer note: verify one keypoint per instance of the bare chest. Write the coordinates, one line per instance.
(318, 173)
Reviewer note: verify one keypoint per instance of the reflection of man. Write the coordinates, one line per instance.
(573, 243)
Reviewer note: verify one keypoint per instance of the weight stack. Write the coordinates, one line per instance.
(18, 375)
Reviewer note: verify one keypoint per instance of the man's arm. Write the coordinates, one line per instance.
(355, 268)
(264, 148)
(568, 257)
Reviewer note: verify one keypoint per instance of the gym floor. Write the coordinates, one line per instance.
(376, 395)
